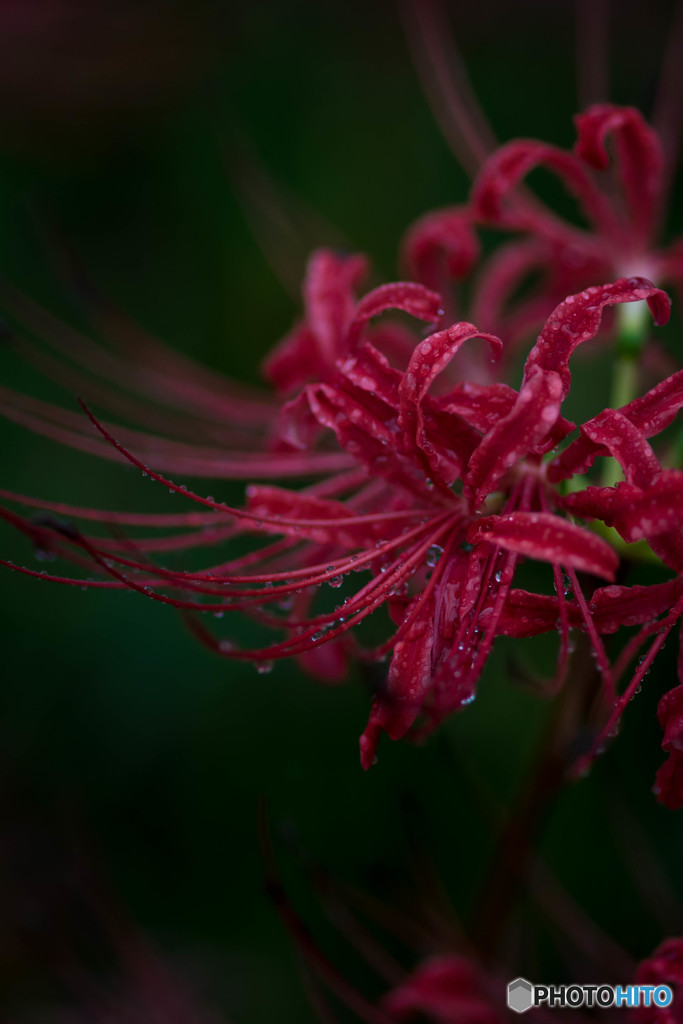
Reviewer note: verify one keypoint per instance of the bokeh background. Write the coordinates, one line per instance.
(156, 145)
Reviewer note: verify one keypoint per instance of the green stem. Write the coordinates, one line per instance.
(632, 321)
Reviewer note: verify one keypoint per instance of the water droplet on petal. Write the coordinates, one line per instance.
(434, 554)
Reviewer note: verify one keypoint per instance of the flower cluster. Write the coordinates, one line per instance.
(435, 485)
(620, 205)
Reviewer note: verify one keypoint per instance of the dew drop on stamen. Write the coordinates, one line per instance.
(264, 667)
(434, 554)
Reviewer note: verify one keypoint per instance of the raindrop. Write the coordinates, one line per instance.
(434, 554)
(264, 667)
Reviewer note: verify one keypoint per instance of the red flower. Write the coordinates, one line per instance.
(663, 967)
(669, 782)
(620, 202)
(622, 233)
(449, 492)
(449, 990)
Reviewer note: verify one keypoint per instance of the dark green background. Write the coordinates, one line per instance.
(123, 742)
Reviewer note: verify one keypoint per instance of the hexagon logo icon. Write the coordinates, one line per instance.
(520, 995)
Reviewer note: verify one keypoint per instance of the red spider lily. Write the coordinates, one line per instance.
(446, 989)
(623, 215)
(669, 782)
(663, 967)
(624, 204)
(448, 494)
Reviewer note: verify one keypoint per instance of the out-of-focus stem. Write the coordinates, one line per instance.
(516, 848)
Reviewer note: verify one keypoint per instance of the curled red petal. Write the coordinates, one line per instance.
(510, 164)
(331, 280)
(365, 433)
(409, 679)
(406, 296)
(592, 503)
(526, 426)
(639, 152)
(429, 359)
(626, 443)
(635, 512)
(615, 606)
(297, 425)
(528, 614)
(578, 319)
(547, 538)
(440, 246)
(480, 405)
(640, 514)
(369, 370)
(651, 413)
